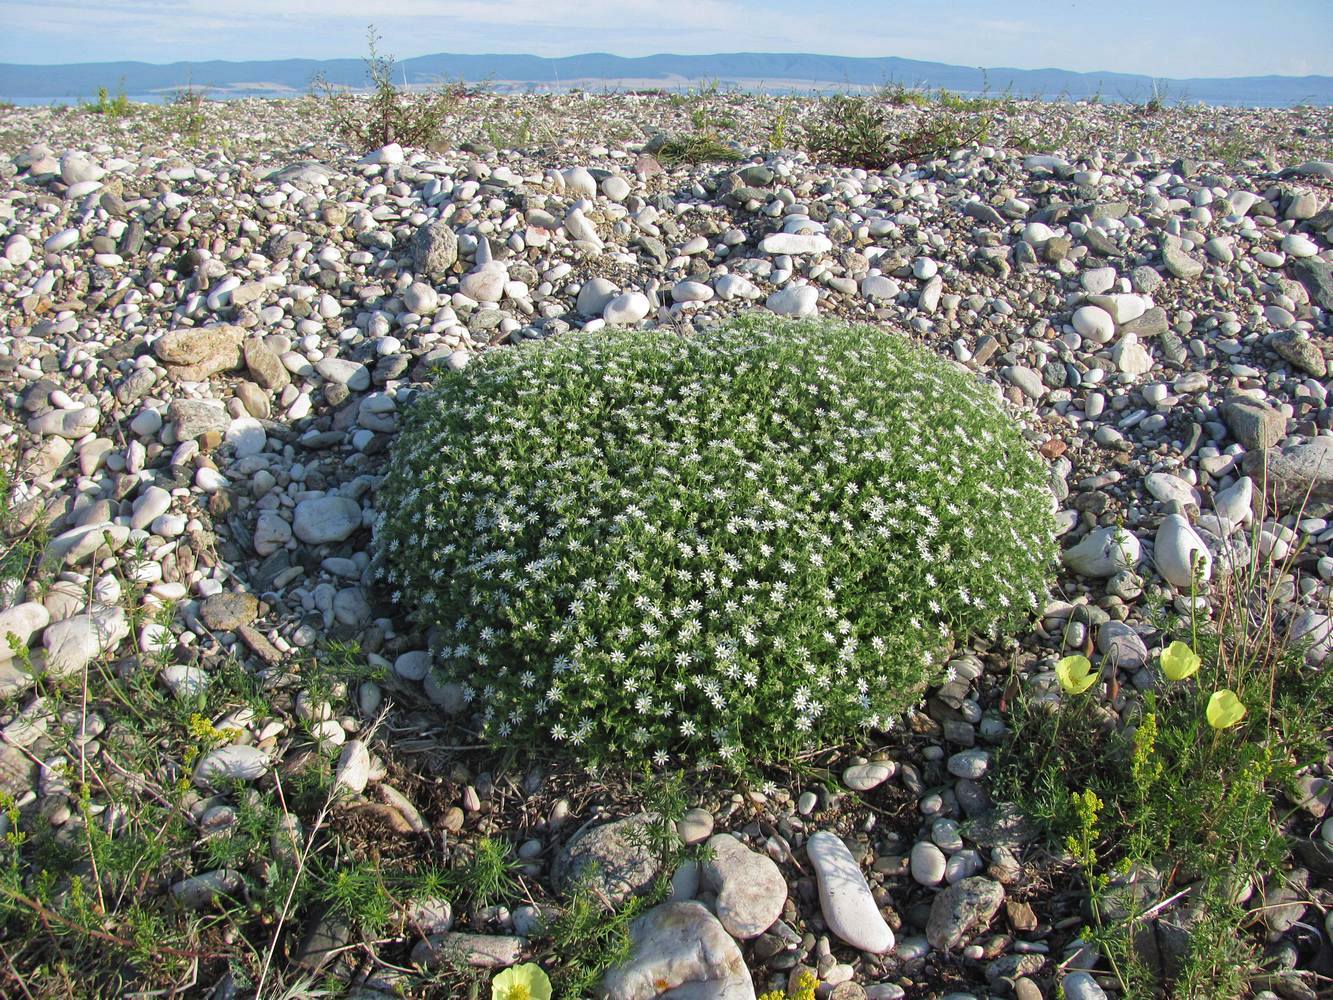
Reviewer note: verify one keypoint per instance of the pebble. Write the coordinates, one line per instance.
(750, 889)
(844, 896)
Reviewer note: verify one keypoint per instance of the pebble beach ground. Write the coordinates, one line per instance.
(211, 317)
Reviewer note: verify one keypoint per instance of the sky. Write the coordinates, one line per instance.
(1166, 38)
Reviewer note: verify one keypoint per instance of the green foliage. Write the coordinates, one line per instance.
(488, 876)
(356, 890)
(391, 113)
(730, 546)
(113, 107)
(697, 147)
(184, 114)
(1172, 793)
(856, 132)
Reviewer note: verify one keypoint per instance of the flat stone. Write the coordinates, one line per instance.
(1300, 351)
(1179, 263)
(480, 951)
(680, 950)
(750, 889)
(614, 856)
(1287, 475)
(326, 519)
(193, 354)
(962, 908)
(795, 243)
(844, 896)
(1254, 424)
(228, 611)
(193, 418)
(864, 777)
(237, 762)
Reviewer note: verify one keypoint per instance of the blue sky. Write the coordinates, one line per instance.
(1172, 38)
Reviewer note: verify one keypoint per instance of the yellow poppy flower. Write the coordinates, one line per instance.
(521, 982)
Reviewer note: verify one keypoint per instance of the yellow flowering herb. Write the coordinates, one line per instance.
(1075, 674)
(1224, 709)
(1179, 661)
(521, 982)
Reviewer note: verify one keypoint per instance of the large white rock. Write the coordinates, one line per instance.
(73, 643)
(844, 896)
(735, 286)
(1096, 280)
(151, 504)
(1094, 323)
(1122, 306)
(680, 950)
(795, 243)
(390, 154)
(237, 762)
(626, 309)
(794, 300)
(326, 519)
(1130, 356)
(1104, 552)
(18, 249)
(247, 436)
(486, 284)
(22, 621)
(750, 889)
(594, 296)
(77, 167)
(1165, 487)
(579, 183)
(1316, 628)
(1235, 503)
(691, 291)
(1177, 549)
(353, 767)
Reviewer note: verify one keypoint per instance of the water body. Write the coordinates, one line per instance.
(812, 90)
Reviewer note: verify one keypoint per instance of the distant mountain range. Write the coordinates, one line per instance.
(773, 71)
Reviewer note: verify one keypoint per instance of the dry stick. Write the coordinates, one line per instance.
(9, 963)
(83, 783)
(302, 854)
(45, 916)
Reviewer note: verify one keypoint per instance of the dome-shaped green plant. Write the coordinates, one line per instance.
(724, 547)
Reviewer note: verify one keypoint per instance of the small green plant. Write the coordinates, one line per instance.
(856, 132)
(117, 106)
(739, 545)
(696, 148)
(391, 114)
(898, 95)
(184, 114)
(488, 876)
(1187, 786)
(778, 136)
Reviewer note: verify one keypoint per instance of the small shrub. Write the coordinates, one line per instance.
(855, 132)
(113, 107)
(851, 131)
(729, 546)
(699, 147)
(1194, 800)
(390, 114)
